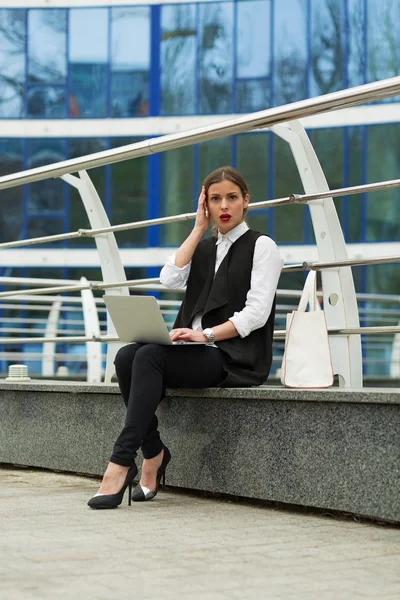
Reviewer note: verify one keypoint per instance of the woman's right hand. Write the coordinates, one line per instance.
(202, 215)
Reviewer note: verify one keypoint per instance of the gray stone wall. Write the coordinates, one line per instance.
(332, 449)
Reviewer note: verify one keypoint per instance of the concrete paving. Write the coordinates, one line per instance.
(181, 546)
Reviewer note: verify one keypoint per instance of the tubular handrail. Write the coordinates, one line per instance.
(137, 283)
(288, 200)
(369, 92)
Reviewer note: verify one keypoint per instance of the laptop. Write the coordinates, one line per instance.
(139, 319)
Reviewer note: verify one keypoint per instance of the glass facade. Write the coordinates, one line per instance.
(180, 59)
(230, 56)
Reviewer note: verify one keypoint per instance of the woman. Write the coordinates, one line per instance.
(229, 305)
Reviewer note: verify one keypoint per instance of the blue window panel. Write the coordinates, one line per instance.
(211, 155)
(356, 59)
(353, 168)
(327, 72)
(253, 162)
(11, 161)
(178, 59)
(383, 38)
(46, 102)
(88, 62)
(383, 164)
(45, 196)
(39, 227)
(47, 47)
(130, 61)
(253, 39)
(252, 95)
(216, 52)
(12, 62)
(290, 52)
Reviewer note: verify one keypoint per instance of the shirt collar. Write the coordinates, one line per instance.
(234, 234)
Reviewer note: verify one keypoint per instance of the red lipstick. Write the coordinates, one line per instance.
(225, 218)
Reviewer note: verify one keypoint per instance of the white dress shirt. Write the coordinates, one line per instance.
(267, 265)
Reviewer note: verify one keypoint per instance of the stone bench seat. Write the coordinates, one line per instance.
(333, 449)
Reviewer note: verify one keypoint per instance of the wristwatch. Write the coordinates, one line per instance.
(210, 335)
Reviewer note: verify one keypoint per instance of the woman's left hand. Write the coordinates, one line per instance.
(187, 335)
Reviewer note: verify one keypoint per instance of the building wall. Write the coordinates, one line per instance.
(80, 79)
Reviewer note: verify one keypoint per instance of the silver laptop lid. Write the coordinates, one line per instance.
(137, 319)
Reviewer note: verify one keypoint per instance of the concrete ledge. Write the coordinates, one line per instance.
(330, 449)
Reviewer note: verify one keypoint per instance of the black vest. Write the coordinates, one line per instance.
(247, 361)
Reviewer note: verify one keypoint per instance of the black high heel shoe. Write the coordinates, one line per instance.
(114, 500)
(141, 494)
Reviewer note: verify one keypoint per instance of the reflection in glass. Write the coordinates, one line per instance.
(383, 36)
(11, 203)
(383, 164)
(216, 57)
(253, 41)
(38, 227)
(129, 195)
(12, 62)
(178, 59)
(130, 61)
(252, 95)
(176, 193)
(356, 59)
(46, 102)
(354, 167)
(88, 53)
(290, 51)
(77, 213)
(213, 154)
(47, 45)
(48, 195)
(288, 220)
(327, 47)
(252, 161)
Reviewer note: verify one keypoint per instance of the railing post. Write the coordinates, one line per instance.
(110, 260)
(340, 303)
(92, 328)
(49, 348)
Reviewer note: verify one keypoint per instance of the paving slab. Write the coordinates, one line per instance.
(52, 546)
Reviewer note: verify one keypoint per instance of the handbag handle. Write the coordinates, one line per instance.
(309, 295)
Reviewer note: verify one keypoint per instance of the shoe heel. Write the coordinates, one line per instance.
(130, 494)
(163, 479)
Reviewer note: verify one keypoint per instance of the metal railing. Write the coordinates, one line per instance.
(342, 316)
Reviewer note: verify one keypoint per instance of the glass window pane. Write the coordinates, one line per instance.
(47, 195)
(290, 51)
(327, 47)
(328, 145)
(129, 195)
(77, 214)
(216, 57)
(11, 161)
(213, 154)
(383, 164)
(12, 62)
(252, 162)
(38, 227)
(354, 167)
(176, 194)
(130, 34)
(47, 45)
(383, 38)
(88, 52)
(356, 56)
(178, 59)
(46, 102)
(288, 220)
(252, 95)
(253, 41)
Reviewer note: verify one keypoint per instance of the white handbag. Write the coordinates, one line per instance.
(307, 361)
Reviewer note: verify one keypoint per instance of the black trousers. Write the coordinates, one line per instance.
(143, 372)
